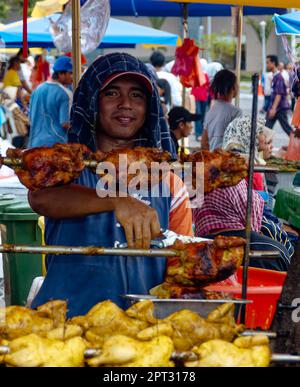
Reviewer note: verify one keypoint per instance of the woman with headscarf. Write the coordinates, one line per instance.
(223, 211)
(116, 104)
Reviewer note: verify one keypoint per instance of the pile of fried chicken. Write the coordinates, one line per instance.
(135, 337)
(60, 164)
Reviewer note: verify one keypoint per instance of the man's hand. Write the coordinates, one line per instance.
(297, 133)
(140, 222)
(272, 113)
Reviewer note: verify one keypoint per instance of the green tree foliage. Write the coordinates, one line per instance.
(221, 47)
(157, 22)
(257, 29)
(17, 5)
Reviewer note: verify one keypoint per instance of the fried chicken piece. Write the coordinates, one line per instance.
(176, 291)
(16, 321)
(44, 167)
(123, 351)
(56, 310)
(106, 319)
(221, 168)
(199, 264)
(187, 328)
(138, 165)
(35, 351)
(243, 352)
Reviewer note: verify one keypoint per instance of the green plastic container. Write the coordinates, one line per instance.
(21, 227)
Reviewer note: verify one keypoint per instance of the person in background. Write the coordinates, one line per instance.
(50, 107)
(164, 91)
(267, 85)
(212, 69)
(22, 75)
(201, 94)
(180, 122)
(279, 105)
(11, 77)
(158, 61)
(40, 72)
(224, 88)
(282, 68)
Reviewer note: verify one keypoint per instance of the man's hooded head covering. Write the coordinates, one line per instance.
(85, 108)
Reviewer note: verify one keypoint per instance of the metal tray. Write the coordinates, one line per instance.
(165, 307)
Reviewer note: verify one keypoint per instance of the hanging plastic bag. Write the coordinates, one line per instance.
(293, 152)
(187, 64)
(94, 18)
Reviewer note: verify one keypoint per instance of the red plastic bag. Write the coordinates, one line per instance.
(293, 152)
(187, 64)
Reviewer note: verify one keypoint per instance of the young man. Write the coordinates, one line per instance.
(158, 61)
(115, 105)
(180, 121)
(279, 105)
(50, 107)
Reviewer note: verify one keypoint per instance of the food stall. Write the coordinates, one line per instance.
(148, 333)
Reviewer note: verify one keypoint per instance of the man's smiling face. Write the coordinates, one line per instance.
(123, 107)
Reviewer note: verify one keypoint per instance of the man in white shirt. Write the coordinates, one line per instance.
(158, 60)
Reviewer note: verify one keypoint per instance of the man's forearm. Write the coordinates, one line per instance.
(71, 201)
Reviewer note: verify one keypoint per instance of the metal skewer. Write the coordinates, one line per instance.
(183, 356)
(17, 162)
(95, 250)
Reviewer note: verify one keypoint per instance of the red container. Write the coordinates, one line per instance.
(264, 289)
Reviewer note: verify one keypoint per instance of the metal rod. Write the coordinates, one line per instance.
(96, 250)
(185, 356)
(88, 250)
(239, 53)
(17, 162)
(283, 358)
(255, 80)
(270, 335)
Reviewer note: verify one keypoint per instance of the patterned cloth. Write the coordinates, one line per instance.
(237, 134)
(155, 132)
(225, 208)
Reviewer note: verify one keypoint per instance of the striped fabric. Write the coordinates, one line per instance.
(225, 208)
(84, 113)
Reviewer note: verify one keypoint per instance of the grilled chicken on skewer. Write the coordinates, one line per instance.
(44, 167)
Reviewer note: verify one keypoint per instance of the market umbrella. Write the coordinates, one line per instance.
(170, 9)
(119, 33)
(287, 24)
(254, 3)
(48, 7)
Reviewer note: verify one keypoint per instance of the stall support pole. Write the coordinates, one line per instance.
(25, 40)
(255, 80)
(184, 141)
(76, 47)
(239, 53)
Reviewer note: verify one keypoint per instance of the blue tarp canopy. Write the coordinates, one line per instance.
(119, 33)
(287, 24)
(162, 8)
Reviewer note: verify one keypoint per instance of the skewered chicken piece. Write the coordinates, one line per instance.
(187, 328)
(199, 264)
(48, 321)
(43, 167)
(248, 351)
(124, 351)
(35, 351)
(221, 168)
(106, 319)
